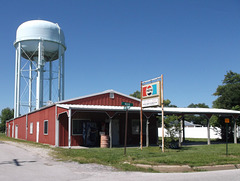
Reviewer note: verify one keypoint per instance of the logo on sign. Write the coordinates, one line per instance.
(149, 90)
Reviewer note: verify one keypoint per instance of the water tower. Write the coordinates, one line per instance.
(39, 65)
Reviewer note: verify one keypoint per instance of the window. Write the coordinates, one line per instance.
(136, 126)
(31, 128)
(45, 127)
(77, 127)
(111, 95)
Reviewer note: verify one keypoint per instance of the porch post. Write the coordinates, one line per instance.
(183, 126)
(235, 131)
(69, 127)
(208, 132)
(147, 133)
(180, 134)
(110, 132)
(110, 114)
(235, 128)
(208, 128)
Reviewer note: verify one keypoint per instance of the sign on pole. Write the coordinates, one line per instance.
(127, 106)
(227, 120)
(152, 96)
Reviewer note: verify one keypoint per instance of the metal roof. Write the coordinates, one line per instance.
(169, 110)
(100, 93)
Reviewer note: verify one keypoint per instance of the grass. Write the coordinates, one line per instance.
(188, 155)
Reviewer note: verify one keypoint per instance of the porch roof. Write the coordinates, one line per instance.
(167, 110)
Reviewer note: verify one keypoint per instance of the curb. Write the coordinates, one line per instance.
(186, 168)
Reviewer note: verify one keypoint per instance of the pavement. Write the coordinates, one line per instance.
(21, 162)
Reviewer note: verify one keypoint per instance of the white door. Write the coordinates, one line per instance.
(16, 131)
(37, 132)
(13, 130)
(9, 129)
(115, 132)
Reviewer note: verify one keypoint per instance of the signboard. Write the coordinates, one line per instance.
(127, 104)
(227, 120)
(151, 90)
(155, 101)
(151, 94)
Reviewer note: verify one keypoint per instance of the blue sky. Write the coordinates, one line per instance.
(114, 44)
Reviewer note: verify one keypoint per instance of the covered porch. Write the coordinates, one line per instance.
(84, 125)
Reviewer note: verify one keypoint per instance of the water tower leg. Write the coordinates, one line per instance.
(39, 86)
(50, 81)
(30, 88)
(17, 81)
(63, 61)
(59, 74)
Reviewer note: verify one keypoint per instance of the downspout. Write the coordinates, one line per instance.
(56, 127)
(26, 125)
(69, 127)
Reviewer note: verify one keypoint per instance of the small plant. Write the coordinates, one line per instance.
(173, 127)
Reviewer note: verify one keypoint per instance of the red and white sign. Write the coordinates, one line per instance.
(151, 94)
(151, 90)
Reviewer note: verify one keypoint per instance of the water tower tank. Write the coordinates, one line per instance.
(29, 33)
(39, 44)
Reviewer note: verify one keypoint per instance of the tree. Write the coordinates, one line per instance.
(6, 114)
(167, 103)
(229, 93)
(136, 94)
(197, 119)
(228, 97)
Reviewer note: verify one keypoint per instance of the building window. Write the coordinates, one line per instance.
(31, 128)
(45, 127)
(136, 126)
(77, 127)
(111, 95)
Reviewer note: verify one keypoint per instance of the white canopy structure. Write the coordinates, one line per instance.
(208, 112)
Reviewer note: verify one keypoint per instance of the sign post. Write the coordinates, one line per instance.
(227, 122)
(127, 106)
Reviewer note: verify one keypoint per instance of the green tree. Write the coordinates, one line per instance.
(136, 94)
(229, 93)
(167, 103)
(6, 114)
(228, 97)
(197, 119)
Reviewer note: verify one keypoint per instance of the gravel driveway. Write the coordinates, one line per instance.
(19, 161)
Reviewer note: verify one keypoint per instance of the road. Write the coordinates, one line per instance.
(20, 163)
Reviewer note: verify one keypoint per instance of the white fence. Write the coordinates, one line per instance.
(196, 132)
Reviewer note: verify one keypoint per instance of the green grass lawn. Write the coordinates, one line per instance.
(214, 154)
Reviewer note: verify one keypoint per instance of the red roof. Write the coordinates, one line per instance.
(105, 98)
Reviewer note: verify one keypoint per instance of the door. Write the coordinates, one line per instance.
(37, 132)
(115, 132)
(16, 131)
(13, 130)
(9, 130)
